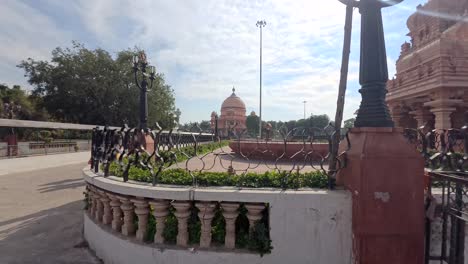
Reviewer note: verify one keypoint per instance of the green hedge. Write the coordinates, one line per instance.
(273, 179)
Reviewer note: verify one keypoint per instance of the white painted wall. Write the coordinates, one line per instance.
(307, 226)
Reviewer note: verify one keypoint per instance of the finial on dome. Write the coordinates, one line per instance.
(233, 89)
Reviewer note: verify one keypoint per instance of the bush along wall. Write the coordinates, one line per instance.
(270, 179)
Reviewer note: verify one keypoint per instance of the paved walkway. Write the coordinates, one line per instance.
(41, 213)
(14, 165)
(220, 160)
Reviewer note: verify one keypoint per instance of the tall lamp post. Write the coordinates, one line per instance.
(304, 109)
(140, 65)
(261, 24)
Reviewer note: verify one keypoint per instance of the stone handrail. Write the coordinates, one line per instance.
(114, 206)
(111, 203)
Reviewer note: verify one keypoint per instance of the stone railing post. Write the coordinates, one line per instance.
(107, 213)
(254, 214)
(206, 215)
(92, 206)
(160, 212)
(230, 213)
(99, 206)
(116, 212)
(182, 214)
(142, 211)
(128, 227)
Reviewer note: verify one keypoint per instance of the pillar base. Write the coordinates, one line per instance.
(148, 143)
(385, 176)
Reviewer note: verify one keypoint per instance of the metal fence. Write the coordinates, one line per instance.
(446, 156)
(299, 150)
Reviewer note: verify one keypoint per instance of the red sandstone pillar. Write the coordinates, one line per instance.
(385, 176)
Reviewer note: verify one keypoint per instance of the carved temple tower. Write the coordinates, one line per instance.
(431, 82)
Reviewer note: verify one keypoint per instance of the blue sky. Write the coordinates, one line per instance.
(204, 48)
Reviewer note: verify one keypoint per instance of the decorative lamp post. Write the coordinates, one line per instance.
(261, 24)
(380, 159)
(304, 102)
(373, 72)
(140, 64)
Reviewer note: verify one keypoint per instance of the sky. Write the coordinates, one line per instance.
(204, 48)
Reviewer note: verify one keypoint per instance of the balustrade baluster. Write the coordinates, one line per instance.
(142, 211)
(128, 227)
(254, 214)
(182, 214)
(116, 212)
(206, 215)
(160, 212)
(230, 214)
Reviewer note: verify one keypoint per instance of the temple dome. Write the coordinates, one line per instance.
(233, 101)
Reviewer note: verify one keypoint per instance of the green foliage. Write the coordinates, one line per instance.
(21, 105)
(204, 125)
(194, 226)
(170, 231)
(151, 228)
(81, 85)
(252, 125)
(349, 123)
(273, 179)
(218, 228)
(260, 240)
(45, 136)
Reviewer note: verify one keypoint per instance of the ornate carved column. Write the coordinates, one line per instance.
(160, 212)
(142, 211)
(128, 227)
(107, 213)
(230, 213)
(442, 109)
(116, 212)
(421, 115)
(442, 117)
(182, 214)
(206, 215)
(254, 214)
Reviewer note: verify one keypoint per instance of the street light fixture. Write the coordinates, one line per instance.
(140, 64)
(304, 109)
(261, 24)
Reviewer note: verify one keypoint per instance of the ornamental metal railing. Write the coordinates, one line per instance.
(446, 155)
(298, 150)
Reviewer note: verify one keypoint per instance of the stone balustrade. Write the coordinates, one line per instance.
(132, 222)
(120, 212)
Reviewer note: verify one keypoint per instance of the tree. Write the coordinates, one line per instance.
(252, 125)
(205, 125)
(319, 121)
(86, 86)
(349, 123)
(16, 104)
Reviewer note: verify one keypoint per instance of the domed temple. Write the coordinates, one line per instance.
(431, 82)
(232, 118)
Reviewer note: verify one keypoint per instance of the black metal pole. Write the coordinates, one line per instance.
(373, 111)
(144, 103)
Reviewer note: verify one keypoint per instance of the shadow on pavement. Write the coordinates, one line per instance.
(48, 236)
(61, 185)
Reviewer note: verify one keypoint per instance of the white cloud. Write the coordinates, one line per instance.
(206, 47)
(26, 33)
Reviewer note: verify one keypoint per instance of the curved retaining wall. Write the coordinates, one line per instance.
(306, 226)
